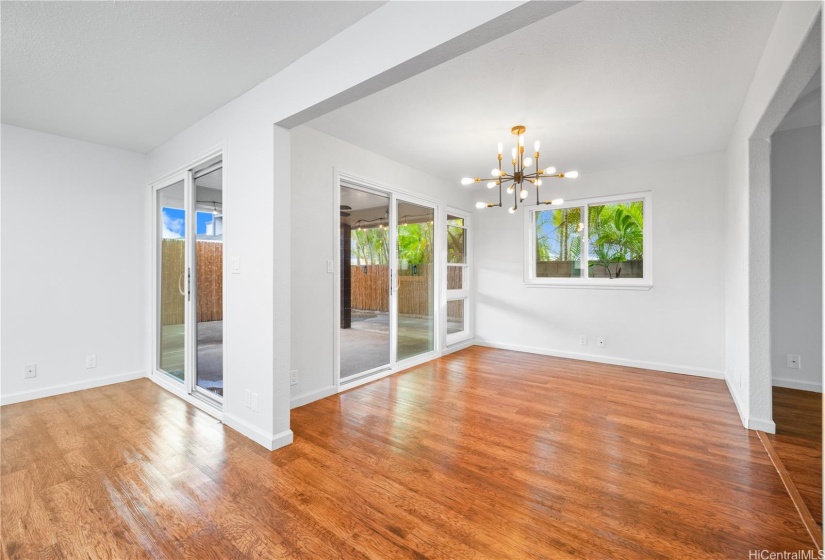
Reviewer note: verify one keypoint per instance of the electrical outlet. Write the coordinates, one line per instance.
(583, 340)
(255, 402)
(600, 342)
(30, 371)
(794, 361)
(236, 265)
(91, 361)
(293, 377)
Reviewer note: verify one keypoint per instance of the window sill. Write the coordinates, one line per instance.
(599, 285)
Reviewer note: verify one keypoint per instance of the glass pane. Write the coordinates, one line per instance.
(455, 221)
(172, 279)
(209, 263)
(455, 277)
(415, 280)
(616, 240)
(365, 282)
(558, 243)
(456, 244)
(455, 316)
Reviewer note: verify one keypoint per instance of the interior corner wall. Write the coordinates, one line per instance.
(677, 326)
(314, 156)
(748, 381)
(796, 257)
(73, 221)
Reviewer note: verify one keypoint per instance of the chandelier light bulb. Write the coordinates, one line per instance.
(467, 181)
(515, 152)
(491, 185)
(521, 140)
(538, 182)
(495, 172)
(571, 174)
(500, 148)
(549, 171)
(523, 194)
(481, 204)
(511, 188)
(536, 145)
(557, 201)
(512, 210)
(528, 161)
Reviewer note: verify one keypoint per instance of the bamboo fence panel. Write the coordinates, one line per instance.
(210, 281)
(370, 290)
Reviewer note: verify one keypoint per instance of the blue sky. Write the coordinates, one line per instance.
(174, 222)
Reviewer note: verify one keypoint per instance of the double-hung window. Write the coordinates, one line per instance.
(458, 287)
(597, 242)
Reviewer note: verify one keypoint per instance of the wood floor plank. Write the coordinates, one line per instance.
(481, 454)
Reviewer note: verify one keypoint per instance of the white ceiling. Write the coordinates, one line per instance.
(134, 74)
(603, 85)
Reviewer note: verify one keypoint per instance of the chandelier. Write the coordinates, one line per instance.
(516, 182)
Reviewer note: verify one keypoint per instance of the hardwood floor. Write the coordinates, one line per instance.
(798, 442)
(481, 454)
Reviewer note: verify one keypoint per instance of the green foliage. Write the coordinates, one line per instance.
(370, 246)
(415, 241)
(557, 235)
(616, 235)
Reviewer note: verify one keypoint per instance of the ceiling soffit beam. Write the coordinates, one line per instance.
(505, 24)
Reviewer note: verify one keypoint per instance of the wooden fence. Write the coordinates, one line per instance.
(370, 290)
(566, 269)
(209, 275)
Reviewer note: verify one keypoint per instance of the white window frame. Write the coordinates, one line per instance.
(464, 293)
(644, 283)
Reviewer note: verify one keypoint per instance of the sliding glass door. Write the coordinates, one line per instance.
(189, 276)
(365, 282)
(414, 286)
(387, 281)
(173, 281)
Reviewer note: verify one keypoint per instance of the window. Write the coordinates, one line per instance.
(458, 292)
(600, 242)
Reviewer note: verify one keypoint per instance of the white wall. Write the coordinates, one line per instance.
(258, 192)
(73, 223)
(747, 273)
(678, 325)
(314, 155)
(796, 257)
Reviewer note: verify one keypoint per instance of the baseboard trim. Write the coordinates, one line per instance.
(270, 441)
(743, 416)
(762, 425)
(55, 390)
(312, 396)
(459, 346)
(669, 368)
(796, 384)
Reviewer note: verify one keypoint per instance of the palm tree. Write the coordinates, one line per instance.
(616, 235)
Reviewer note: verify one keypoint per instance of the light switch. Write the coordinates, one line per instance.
(236, 265)
(330, 266)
